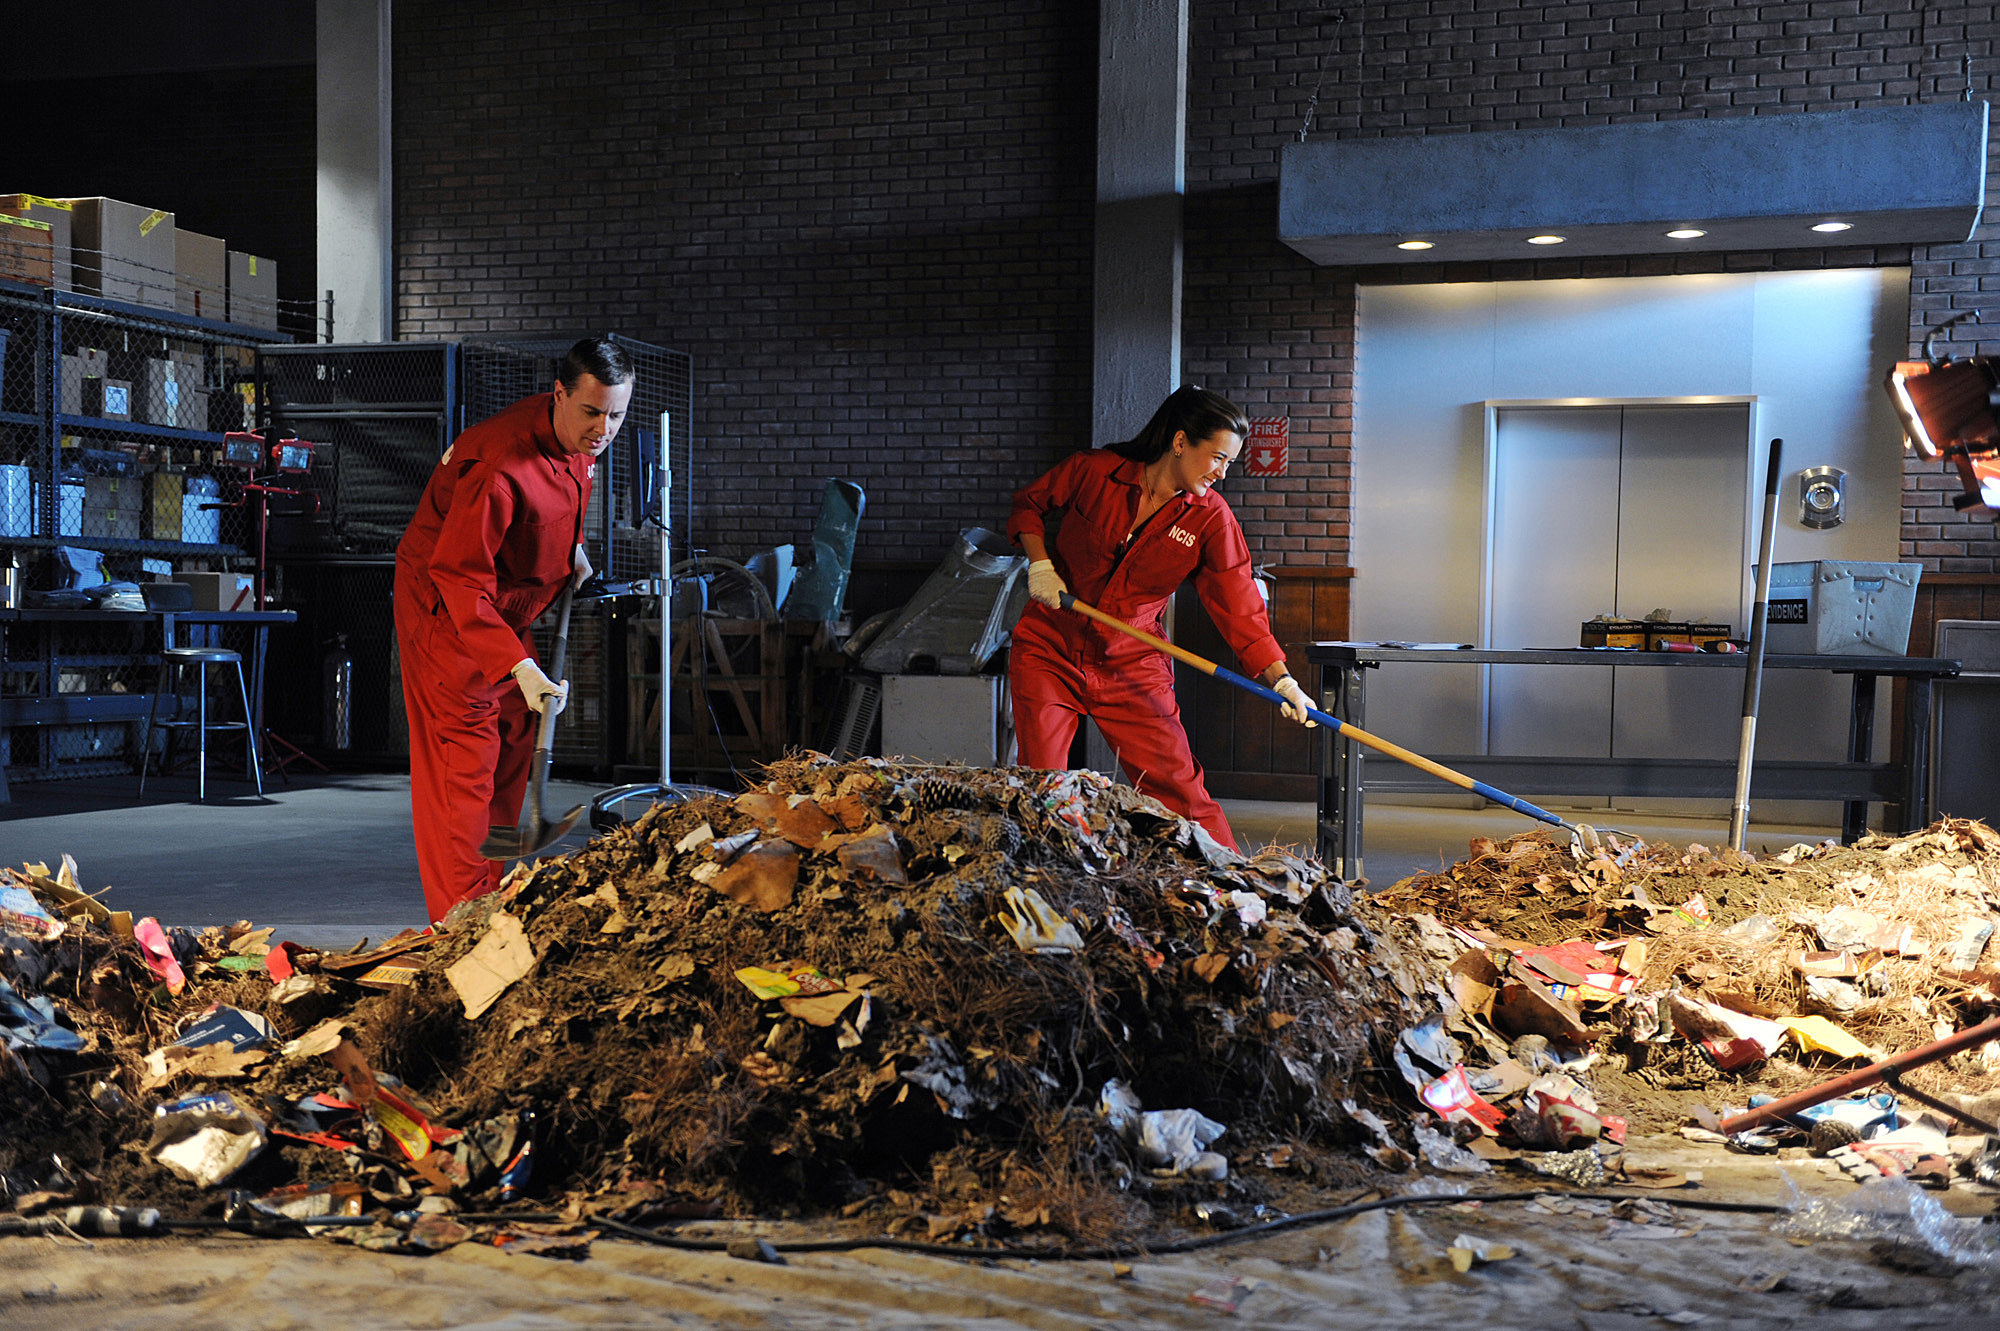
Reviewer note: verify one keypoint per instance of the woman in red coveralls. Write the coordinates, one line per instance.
(499, 529)
(1138, 519)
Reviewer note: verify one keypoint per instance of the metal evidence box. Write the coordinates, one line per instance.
(942, 718)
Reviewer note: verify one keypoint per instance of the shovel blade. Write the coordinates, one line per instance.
(515, 843)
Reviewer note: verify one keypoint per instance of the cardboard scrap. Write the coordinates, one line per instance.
(1818, 1035)
(762, 877)
(483, 974)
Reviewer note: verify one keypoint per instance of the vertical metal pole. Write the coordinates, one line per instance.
(329, 314)
(666, 603)
(1753, 677)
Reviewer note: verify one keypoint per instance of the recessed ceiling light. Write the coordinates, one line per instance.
(1546, 240)
(1686, 233)
(1833, 226)
(1413, 245)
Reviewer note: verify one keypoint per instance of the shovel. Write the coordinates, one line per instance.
(1582, 836)
(511, 843)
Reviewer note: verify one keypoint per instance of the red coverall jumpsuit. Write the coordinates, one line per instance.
(493, 539)
(1063, 667)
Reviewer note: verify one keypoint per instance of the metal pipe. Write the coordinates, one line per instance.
(1753, 678)
(1868, 1076)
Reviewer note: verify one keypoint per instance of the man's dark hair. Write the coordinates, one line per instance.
(600, 358)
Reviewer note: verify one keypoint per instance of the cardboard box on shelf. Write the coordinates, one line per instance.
(87, 363)
(106, 398)
(57, 213)
(27, 251)
(165, 491)
(253, 290)
(221, 591)
(201, 275)
(159, 394)
(123, 251)
(112, 507)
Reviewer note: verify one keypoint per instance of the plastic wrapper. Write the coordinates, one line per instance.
(1442, 1153)
(205, 1138)
(1894, 1208)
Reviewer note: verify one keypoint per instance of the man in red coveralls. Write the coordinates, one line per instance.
(499, 529)
(1138, 519)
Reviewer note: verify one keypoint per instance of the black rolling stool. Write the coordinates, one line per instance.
(172, 662)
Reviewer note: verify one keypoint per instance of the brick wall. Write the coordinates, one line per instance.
(1264, 324)
(869, 223)
(869, 220)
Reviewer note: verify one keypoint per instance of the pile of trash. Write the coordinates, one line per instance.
(1681, 984)
(951, 1003)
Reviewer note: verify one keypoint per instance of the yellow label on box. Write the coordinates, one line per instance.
(27, 222)
(158, 216)
(253, 264)
(37, 201)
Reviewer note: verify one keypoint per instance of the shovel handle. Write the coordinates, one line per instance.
(1334, 724)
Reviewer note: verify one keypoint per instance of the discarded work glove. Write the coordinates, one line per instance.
(539, 689)
(1296, 703)
(1045, 584)
(1034, 925)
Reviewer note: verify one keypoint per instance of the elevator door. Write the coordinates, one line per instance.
(1620, 510)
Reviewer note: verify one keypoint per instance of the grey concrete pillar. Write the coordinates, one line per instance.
(1141, 149)
(356, 250)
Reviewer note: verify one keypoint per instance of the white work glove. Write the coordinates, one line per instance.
(539, 689)
(1296, 703)
(582, 565)
(1045, 584)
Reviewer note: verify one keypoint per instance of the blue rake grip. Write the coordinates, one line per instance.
(1494, 793)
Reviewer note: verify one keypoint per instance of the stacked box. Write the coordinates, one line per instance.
(253, 290)
(165, 493)
(27, 251)
(221, 591)
(121, 251)
(87, 363)
(201, 275)
(1603, 632)
(57, 213)
(159, 395)
(112, 506)
(192, 390)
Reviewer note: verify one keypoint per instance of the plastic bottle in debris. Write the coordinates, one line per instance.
(517, 1171)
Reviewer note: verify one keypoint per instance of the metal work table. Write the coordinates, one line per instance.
(48, 705)
(1343, 668)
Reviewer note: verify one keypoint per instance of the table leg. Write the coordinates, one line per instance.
(1331, 773)
(1916, 753)
(1860, 747)
(6, 796)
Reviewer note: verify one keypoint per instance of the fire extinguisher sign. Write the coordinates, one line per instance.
(1267, 449)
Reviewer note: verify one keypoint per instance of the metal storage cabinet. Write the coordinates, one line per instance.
(1966, 774)
(111, 424)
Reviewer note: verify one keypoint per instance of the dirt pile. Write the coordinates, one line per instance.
(891, 991)
(1708, 974)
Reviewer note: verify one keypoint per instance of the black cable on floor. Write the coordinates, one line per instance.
(1305, 1220)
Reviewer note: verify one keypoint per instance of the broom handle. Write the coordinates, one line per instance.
(1337, 726)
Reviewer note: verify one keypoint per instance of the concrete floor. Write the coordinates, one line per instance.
(328, 860)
